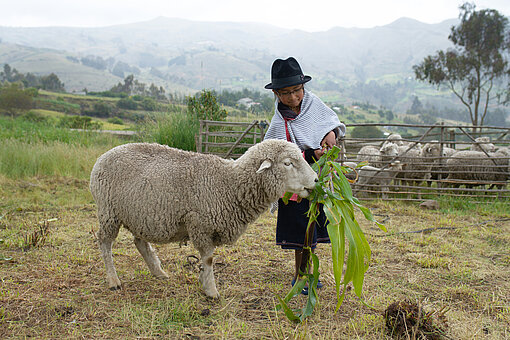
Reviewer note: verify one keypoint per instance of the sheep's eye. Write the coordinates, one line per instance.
(287, 163)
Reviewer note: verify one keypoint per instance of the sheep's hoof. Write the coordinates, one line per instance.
(160, 274)
(114, 288)
(213, 294)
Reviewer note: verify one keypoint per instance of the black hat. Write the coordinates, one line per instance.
(285, 73)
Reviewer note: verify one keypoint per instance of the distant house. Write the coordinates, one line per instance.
(246, 102)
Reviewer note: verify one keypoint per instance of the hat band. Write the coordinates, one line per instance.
(288, 81)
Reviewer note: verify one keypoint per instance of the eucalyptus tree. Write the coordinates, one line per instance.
(477, 67)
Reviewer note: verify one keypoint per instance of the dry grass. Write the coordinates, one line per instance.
(57, 289)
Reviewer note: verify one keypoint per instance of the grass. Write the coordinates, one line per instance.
(52, 280)
(57, 288)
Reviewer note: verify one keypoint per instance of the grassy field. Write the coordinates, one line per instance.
(53, 281)
(454, 261)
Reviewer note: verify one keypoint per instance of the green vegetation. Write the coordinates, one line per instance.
(53, 277)
(473, 68)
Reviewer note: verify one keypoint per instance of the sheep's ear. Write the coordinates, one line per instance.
(265, 165)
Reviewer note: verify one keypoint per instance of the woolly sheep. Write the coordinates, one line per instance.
(161, 195)
(440, 167)
(370, 154)
(475, 166)
(377, 157)
(395, 138)
(482, 143)
(370, 177)
(418, 161)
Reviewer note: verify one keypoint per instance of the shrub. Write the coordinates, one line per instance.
(101, 109)
(79, 122)
(149, 104)
(115, 120)
(366, 132)
(175, 129)
(127, 103)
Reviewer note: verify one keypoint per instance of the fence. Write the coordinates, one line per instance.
(229, 139)
(428, 163)
(410, 174)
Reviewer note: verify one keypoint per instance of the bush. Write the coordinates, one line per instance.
(101, 109)
(79, 122)
(366, 132)
(115, 120)
(149, 104)
(127, 103)
(175, 129)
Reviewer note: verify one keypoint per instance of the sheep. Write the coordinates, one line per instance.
(377, 157)
(369, 177)
(440, 168)
(482, 143)
(395, 138)
(161, 195)
(475, 166)
(418, 162)
(370, 154)
(388, 152)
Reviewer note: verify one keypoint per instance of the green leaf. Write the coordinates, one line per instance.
(334, 192)
(286, 197)
(288, 312)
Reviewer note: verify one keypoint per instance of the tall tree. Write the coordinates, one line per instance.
(476, 66)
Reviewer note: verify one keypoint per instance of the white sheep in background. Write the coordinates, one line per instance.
(418, 162)
(388, 153)
(372, 178)
(475, 166)
(395, 138)
(440, 168)
(377, 157)
(483, 143)
(370, 154)
(161, 195)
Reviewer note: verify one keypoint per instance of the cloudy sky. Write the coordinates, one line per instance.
(309, 15)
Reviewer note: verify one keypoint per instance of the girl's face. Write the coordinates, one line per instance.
(291, 96)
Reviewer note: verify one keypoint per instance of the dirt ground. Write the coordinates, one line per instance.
(451, 262)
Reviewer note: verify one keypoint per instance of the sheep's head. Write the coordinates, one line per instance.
(483, 143)
(389, 149)
(431, 150)
(284, 161)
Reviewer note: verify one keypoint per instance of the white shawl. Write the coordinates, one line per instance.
(310, 127)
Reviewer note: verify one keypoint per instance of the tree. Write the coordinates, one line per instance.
(13, 99)
(51, 82)
(472, 69)
(416, 107)
(205, 106)
(366, 132)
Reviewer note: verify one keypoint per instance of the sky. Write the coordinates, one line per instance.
(310, 15)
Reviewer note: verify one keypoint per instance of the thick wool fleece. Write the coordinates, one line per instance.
(161, 194)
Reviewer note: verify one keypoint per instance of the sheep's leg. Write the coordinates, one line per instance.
(108, 231)
(207, 275)
(150, 257)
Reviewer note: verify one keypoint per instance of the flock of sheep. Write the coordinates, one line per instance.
(406, 165)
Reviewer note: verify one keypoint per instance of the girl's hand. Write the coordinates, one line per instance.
(329, 141)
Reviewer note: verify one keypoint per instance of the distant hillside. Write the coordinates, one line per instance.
(185, 56)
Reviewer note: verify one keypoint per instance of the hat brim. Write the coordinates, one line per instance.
(284, 83)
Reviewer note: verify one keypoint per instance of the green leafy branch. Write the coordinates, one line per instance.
(334, 193)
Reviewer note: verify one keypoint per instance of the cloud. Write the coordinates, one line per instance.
(316, 15)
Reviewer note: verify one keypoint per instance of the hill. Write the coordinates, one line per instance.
(185, 55)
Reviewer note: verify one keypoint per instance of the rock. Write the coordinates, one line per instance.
(430, 205)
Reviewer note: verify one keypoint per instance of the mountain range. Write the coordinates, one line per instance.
(186, 56)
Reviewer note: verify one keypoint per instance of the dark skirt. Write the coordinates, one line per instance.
(292, 222)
